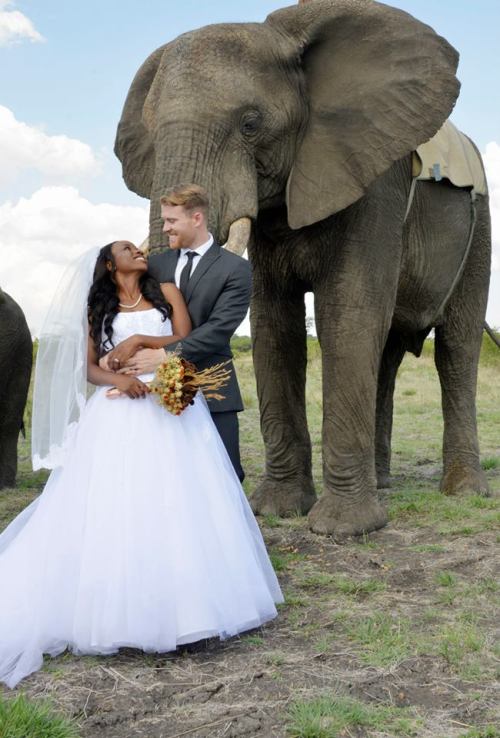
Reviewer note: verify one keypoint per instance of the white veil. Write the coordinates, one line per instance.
(60, 390)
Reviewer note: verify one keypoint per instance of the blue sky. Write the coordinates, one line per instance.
(65, 68)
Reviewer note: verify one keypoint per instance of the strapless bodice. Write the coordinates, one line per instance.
(147, 322)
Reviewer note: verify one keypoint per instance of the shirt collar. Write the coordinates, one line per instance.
(201, 250)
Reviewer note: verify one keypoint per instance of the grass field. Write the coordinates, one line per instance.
(392, 634)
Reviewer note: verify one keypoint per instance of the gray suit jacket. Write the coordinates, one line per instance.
(217, 296)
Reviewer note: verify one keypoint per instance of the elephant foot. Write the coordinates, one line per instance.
(461, 479)
(384, 481)
(283, 498)
(8, 482)
(328, 517)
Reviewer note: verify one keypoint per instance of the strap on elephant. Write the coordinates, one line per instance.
(491, 334)
(411, 195)
(460, 269)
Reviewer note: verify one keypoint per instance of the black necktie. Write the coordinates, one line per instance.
(186, 272)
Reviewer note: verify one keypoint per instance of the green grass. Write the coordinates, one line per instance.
(489, 351)
(315, 580)
(449, 617)
(334, 716)
(486, 585)
(294, 600)
(488, 731)
(445, 579)
(271, 521)
(428, 548)
(357, 587)
(365, 542)
(275, 658)
(453, 515)
(283, 558)
(20, 718)
(457, 643)
(385, 639)
(253, 640)
(490, 462)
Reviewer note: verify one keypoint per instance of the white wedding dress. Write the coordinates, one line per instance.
(142, 538)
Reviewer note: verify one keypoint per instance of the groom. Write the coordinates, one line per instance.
(216, 285)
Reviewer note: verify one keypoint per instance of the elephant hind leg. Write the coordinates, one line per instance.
(392, 357)
(10, 427)
(12, 403)
(457, 349)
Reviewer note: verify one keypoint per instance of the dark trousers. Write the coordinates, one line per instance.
(229, 430)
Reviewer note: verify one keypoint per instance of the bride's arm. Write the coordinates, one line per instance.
(130, 386)
(181, 327)
(181, 322)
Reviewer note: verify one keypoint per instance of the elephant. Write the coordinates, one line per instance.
(16, 355)
(302, 129)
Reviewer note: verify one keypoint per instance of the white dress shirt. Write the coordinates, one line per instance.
(182, 260)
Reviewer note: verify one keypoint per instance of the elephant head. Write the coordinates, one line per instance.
(307, 108)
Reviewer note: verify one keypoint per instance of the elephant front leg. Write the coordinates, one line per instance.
(351, 349)
(280, 360)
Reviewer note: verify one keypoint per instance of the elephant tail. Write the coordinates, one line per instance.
(491, 334)
(23, 429)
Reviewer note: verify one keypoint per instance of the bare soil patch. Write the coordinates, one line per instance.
(405, 618)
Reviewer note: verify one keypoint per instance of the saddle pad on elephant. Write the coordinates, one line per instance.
(451, 155)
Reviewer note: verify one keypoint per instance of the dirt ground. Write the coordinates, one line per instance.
(402, 622)
(409, 582)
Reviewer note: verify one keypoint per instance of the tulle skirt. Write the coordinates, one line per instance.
(143, 538)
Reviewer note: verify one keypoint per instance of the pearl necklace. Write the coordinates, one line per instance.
(131, 306)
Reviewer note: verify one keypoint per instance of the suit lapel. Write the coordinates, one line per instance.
(206, 261)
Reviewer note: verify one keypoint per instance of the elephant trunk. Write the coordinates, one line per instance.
(210, 160)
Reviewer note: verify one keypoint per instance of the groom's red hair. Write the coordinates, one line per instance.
(189, 196)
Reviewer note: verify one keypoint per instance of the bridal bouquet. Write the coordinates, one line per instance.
(177, 381)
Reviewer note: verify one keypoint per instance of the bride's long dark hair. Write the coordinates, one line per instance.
(103, 299)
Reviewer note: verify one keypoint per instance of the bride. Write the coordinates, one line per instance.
(143, 536)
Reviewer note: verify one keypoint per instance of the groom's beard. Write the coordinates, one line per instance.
(180, 241)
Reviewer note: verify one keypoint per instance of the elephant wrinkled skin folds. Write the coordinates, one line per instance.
(304, 127)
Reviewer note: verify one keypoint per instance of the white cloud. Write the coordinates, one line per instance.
(15, 27)
(40, 235)
(23, 147)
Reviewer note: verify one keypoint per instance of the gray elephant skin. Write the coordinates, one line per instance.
(16, 355)
(304, 124)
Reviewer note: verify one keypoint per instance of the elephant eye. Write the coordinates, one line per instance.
(250, 123)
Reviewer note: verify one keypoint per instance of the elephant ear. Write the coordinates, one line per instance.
(378, 83)
(133, 144)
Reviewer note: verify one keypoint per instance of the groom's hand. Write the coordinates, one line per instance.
(144, 361)
(118, 357)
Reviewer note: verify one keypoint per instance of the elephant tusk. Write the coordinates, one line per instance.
(239, 236)
(144, 247)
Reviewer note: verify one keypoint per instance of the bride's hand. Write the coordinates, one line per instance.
(118, 356)
(131, 386)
